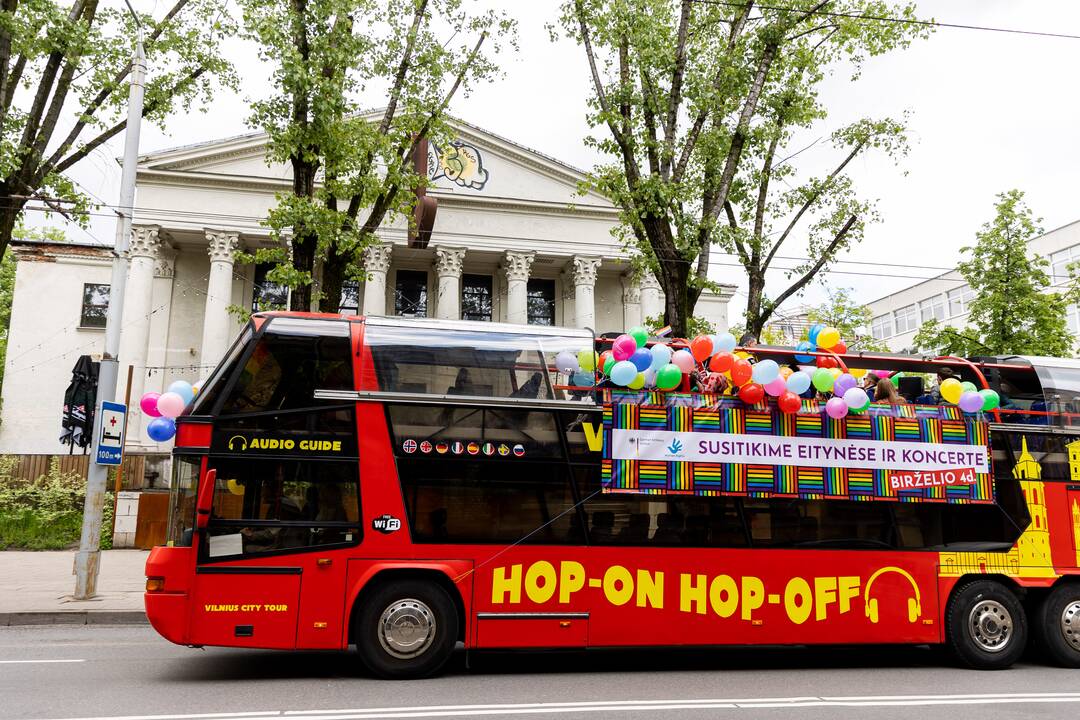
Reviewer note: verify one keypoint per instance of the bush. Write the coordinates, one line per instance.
(45, 513)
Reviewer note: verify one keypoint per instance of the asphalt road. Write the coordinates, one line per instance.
(117, 672)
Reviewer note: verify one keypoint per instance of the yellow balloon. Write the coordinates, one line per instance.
(638, 382)
(951, 390)
(785, 372)
(835, 372)
(587, 360)
(234, 487)
(828, 337)
(857, 373)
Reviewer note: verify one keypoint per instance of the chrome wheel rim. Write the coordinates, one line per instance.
(1070, 625)
(991, 626)
(406, 628)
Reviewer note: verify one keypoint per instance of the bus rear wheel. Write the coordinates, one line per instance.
(985, 625)
(1058, 624)
(406, 629)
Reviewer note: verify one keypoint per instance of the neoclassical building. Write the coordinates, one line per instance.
(513, 240)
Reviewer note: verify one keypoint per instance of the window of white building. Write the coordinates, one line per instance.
(907, 318)
(1060, 261)
(1072, 319)
(881, 327)
(960, 300)
(95, 305)
(932, 308)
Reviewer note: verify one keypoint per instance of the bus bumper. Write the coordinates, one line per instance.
(168, 572)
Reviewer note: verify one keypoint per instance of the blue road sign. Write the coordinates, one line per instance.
(109, 449)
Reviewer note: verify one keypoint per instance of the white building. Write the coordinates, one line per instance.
(898, 317)
(513, 241)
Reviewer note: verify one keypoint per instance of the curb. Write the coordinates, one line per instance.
(74, 617)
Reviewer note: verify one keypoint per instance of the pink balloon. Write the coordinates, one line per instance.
(836, 408)
(882, 374)
(171, 405)
(683, 360)
(148, 404)
(777, 387)
(623, 347)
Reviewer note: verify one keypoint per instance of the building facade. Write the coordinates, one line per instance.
(513, 241)
(897, 317)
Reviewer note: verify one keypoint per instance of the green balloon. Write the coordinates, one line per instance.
(862, 409)
(990, 399)
(608, 364)
(895, 377)
(969, 386)
(823, 379)
(669, 376)
(640, 335)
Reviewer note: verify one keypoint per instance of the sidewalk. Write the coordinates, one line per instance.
(36, 587)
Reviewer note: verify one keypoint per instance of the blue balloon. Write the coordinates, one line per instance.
(798, 382)
(642, 359)
(583, 379)
(661, 356)
(805, 346)
(724, 342)
(161, 429)
(623, 373)
(766, 371)
(812, 334)
(183, 389)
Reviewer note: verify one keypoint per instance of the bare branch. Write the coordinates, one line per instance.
(822, 259)
(744, 257)
(675, 98)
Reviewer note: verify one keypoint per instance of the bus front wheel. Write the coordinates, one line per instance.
(1058, 624)
(406, 629)
(985, 625)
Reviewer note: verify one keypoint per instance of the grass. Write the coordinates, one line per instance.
(28, 530)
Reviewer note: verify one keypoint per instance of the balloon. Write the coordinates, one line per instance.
(824, 361)
(661, 356)
(861, 409)
(971, 401)
(638, 382)
(721, 362)
(623, 347)
(196, 390)
(701, 347)
(785, 372)
(669, 376)
(650, 377)
(608, 363)
(856, 398)
(566, 363)
(798, 383)
(844, 383)
(857, 373)
(149, 404)
(623, 372)
(835, 372)
(642, 359)
(751, 393)
(582, 379)
(766, 371)
(823, 380)
(836, 408)
(813, 333)
(171, 405)
(724, 342)
(587, 360)
(951, 390)
(828, 337)
(789, 402)
(741, 372)
(805, 347)
(161, 429)
(183, 389)
(839, 348)
(883, 374)
(969, 386)
(777, 387)
(640, 335)
(683, 360)
(990, 399)
(895, 378)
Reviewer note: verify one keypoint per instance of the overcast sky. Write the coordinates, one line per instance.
(989, 111)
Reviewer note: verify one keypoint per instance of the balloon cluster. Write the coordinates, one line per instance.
(165, 407)
(970, 399)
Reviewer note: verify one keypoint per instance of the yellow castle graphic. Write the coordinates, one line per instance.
(1030, 556)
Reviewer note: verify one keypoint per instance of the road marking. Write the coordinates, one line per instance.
(434, 711)
(27, 662)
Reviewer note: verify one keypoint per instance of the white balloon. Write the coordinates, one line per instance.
(724, 342)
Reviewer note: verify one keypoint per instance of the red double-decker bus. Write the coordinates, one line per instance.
(404, 485)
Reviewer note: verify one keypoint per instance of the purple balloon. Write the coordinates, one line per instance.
(836, 408)
(844, 383)
(971, 402)
(642, 359)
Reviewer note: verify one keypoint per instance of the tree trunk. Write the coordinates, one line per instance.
(333, 277)
(674, 281)
(304, 242)
(9, 217)
(755, 321)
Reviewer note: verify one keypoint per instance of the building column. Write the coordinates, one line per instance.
(652, 304)
(138, 297)
(376, 265)
(517, 266)
(631, 300)
(448, 261)
(157, 355)
(222, 246)
(584, 275)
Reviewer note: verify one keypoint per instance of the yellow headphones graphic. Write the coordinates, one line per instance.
(914, 604)
(243, 443)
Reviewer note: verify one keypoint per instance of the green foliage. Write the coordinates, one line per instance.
(698, 104)
(694, 326)
(1014, 310)
(45, 513)
(850, 318)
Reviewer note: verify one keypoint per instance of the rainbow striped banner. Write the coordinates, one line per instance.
(697, 414)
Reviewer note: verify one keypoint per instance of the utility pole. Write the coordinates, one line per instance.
(88, 557)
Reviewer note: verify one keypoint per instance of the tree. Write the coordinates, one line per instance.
(850, 318)
(349, 174)
(1013, 311)
(63, 88)
(699, 102)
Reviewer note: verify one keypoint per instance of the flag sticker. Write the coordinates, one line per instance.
(409, 446)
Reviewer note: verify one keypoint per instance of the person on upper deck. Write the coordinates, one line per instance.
(885, 392)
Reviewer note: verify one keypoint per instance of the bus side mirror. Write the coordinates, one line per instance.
(205, 500)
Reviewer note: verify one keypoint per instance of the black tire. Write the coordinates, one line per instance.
(410, 652)
(985, 625)
(1057, 624)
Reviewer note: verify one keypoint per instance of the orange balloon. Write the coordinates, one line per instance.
(785, 372)
(701, 347)
(741, 372)
(721, 362)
